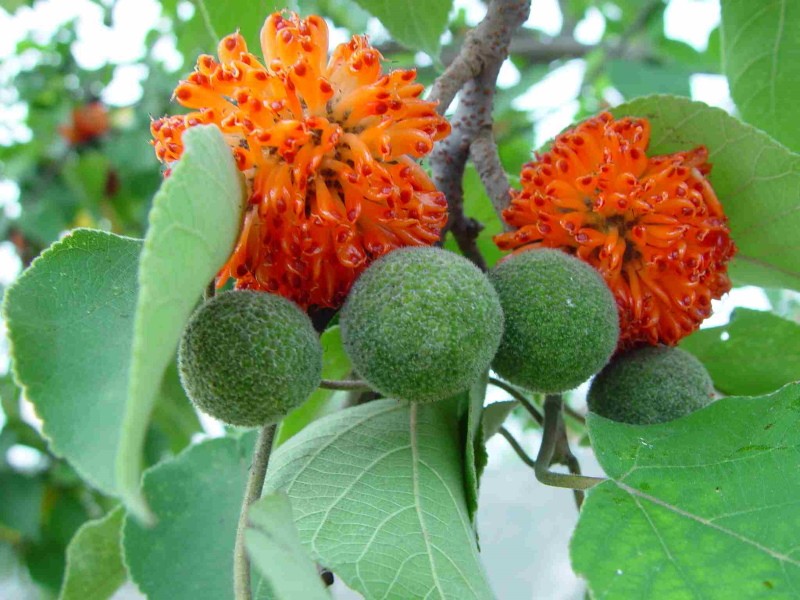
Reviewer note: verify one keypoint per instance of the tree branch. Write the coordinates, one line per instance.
(354, 385)
(473, 72)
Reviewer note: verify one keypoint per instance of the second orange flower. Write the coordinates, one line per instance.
(328, 146)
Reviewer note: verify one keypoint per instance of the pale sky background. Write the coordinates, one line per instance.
(552, 102)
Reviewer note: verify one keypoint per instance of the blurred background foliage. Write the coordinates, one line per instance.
(80, 82)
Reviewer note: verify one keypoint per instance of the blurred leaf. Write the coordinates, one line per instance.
(275, 550)
(377, 493)
(635, 78)
(193, 226)
(495, 414)
(335, 365)
(86, 176)
(756, 353)
(21, 503)
(702, 507)
(196, 497)
(756, 179)
(70, 317)
(416, 25)
(761, 57)
(94, 560)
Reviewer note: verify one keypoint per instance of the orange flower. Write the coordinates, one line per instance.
(653, 227)
(328, 149)
(89, 121)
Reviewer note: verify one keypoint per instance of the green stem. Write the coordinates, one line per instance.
(255, 483)
(553, 429)
(354, 385)
(519, 397)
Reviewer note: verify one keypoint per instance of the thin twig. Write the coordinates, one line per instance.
(518, 396)
(255, 483)
(553, 430)
(575, 415)
(517, 448)
(355, 385)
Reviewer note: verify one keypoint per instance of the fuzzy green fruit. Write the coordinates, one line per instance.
(651, 385)
(248, 358)
(421, 324)
(561, 320)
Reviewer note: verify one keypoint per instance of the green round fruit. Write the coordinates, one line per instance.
(561, 320)
(247, 358)
(421, 324)
(653, 384)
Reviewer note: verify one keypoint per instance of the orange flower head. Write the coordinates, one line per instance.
(89, 121)
(653, 227)
(328, 148)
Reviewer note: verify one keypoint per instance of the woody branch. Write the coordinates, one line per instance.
(473, 73)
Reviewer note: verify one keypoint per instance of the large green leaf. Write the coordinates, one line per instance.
(192, 229)
(757, 181)
(378, 497)
(637, 78)
(335, 365)
(475, 456)
(761, 57)
(70, 322)
(756, 353)
(196, 497)
(416, 25)
(94, 560)
(274, 549)
(707, 506)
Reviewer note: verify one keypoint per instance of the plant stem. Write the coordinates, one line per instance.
(553, 429)
(517, 447)
(355, 385)
(519, 397)
(255, 483)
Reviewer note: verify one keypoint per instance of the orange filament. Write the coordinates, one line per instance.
(327, 146)
(653, 227)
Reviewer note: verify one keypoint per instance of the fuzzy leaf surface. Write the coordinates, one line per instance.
(193, 225)
(378, 497)
(706, 506)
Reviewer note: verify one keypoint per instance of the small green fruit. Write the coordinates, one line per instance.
(653, 384)
(247, 358)
(421, 324)
(561, 320)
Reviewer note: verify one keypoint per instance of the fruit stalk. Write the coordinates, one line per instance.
(255, 483)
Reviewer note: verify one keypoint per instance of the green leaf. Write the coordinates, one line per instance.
(378, 497)
(416, 25)
(193, 226)
(756, 179)
(21, 499)
(94, 560)
(761, 57)
(756, 353)
(70, 318)
(274, 548)
(174, 416)
(636, 78)
(495, 414)
(196, 498)
(335, 365)
(475, 456)
(702, 507)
